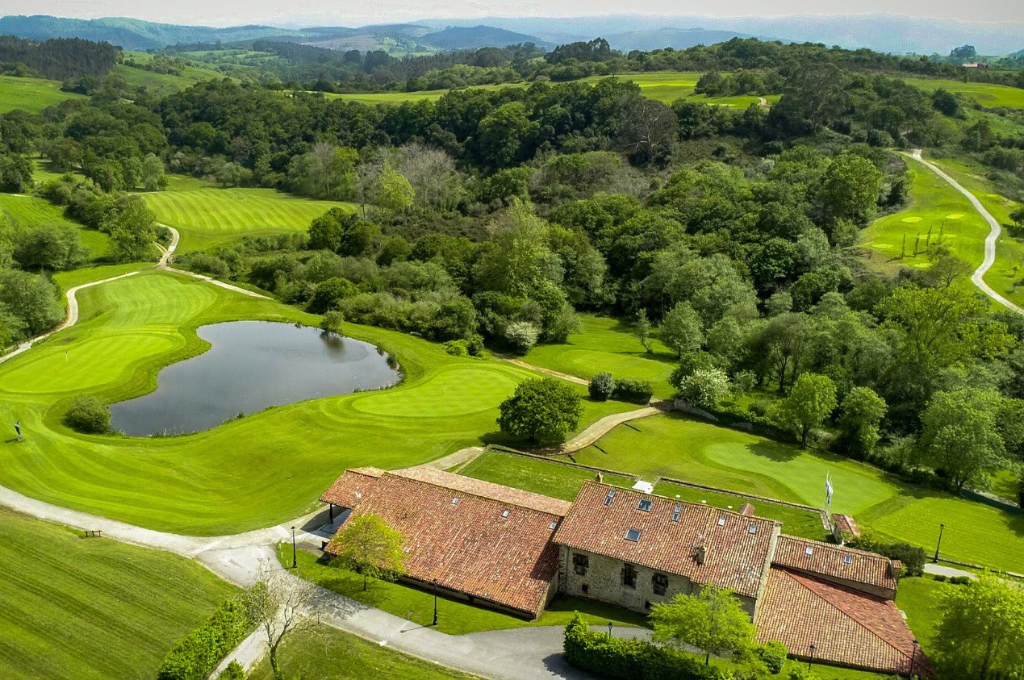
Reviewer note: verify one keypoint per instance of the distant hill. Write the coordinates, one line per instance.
(475, 37)
(676, 38)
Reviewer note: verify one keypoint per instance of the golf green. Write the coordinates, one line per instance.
(248, 473)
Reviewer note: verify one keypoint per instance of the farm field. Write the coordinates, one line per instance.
(607, 344)
(987, 94)
(454, 617)
(248, 473)
(327, 653)
(30, 211)
(208, 217)
(31, 94)
(934, 206)
(93, 608)
(665, 87)
(695, 451)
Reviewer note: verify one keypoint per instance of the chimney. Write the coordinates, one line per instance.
(700, 554)
(600, 477)
(747, 510)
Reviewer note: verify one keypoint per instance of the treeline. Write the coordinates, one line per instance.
(58, 58)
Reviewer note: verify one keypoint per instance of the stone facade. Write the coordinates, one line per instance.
(606, 579)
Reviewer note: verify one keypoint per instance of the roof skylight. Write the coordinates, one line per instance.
(633, 535)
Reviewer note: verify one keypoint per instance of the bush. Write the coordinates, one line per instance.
(329, 293)
(88, 414)
(199, 652)
(332, 323)
(205, 263)
(234, 671)
(457, 348)
(773, 655)
(961, 580)
(941, 578)
(602, 386)
(912, 557)
(631, 659)
(1020, 492)
(521, 336)
(704, 388)
(541, 410)
(475, 344)
(633, 391)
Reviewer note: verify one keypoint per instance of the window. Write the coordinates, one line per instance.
(644, 505)
(721, 521)
(504, 513)
(633, 535)
(660, 582)
(847, 559)
(808, 551)
(553, 525)
(610, 497)
(752, 529)
(677, 511)
(584, 588)
(580, 564)
(629, 576)
(455, 501)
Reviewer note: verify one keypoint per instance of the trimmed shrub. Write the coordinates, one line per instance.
(633, 391)
(457, 348)
(960, 580)
(630, 659)
(196, 655)
(602, 386)
(912, 557)
(773, 655)
(941, 578)
(88, 415)
(234, 671)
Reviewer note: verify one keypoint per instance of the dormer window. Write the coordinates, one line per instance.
(644, 505)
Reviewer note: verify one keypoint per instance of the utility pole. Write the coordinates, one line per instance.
(937, 545)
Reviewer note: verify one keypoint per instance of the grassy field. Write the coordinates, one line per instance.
(666, 87)
(208, 217)
(921, 600)
(31, 94)
(935, 206)
(454, 617)
(93, 608)
(607, 344)
(162, 84)
(326, 653)
(248, 473)
(29, 211)
(986, 94)
(695, 451)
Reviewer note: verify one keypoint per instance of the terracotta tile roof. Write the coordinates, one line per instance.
(522, 499)
(846, 626)
(467, 546)
(734, 557)
(846, 524)
(830, 561)
(351, 486)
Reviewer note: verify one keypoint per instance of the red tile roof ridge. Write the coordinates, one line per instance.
(487, 490)
(368, 471)
(833, 546)
(809, 582)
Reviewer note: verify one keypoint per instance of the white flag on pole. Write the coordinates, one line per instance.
(828, 489)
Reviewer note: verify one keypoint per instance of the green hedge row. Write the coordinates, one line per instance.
(630, 659)
(196, 655)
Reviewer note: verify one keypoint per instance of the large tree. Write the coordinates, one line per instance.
(541, 410)
(860, 415)
(367, 545)
(811, 400)
(981, 633)
(681, 329)
(850, 190)
(961, 435)
(712, 620)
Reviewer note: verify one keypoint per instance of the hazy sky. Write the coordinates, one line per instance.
(235, 12)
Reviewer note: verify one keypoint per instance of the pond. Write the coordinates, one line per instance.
(250, 366)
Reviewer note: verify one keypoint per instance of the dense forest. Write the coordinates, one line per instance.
(491, 217)
(57, 59)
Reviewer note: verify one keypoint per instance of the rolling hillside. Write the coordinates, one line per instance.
(30, 94)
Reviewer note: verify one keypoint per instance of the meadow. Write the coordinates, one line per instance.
(29, 211)
(208, 217)
(93, 608)
(251, 472)
(606, 344)
(986, 94)
(31, 94)
(936, 208)
(162, 84)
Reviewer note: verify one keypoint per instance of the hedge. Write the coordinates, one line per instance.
(196, 655)
(633, 391)
(631, 659)
(912, 557)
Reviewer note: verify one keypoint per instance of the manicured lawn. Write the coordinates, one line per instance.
(986, 94)
(934, 206)
(921, 600)
(207, 217)
(29, 211)
(326, 653)
(695, 451)
(252, 472)
(31, 94)
(454, 617)
(608, 345)
(539, 476)
(93, 608)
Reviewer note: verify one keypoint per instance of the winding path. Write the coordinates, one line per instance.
(978, 277)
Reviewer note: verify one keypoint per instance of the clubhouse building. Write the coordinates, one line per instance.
(513, 551)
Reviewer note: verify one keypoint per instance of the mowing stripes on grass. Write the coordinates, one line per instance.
(93, 608)
(29, 211)
(249, 473)
(533, 474)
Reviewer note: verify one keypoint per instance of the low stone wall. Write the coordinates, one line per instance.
(764, 499)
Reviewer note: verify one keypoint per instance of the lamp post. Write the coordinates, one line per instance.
(435, 602)
(937, 545)
(810, 659)
(295, 559)
(610, 624)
